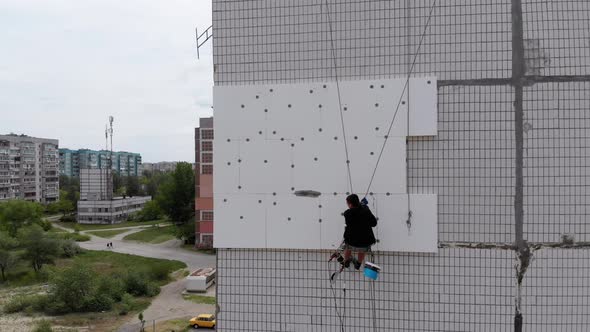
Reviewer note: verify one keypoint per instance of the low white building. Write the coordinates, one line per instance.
(97, 204)
(111, 211)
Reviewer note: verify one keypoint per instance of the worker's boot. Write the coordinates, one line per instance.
(357, 264)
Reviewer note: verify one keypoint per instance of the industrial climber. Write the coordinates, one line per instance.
(358, 233)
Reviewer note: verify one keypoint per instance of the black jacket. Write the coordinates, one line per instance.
(359, 227)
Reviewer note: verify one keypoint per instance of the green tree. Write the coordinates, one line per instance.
(132, 185)
(15, 214)
(40, 248)
(65, 206)
(151, 211)
(118, 184)
(176, 196)
(70, 189)
(186, 231)
(152, 180)
(8, 258)
(52, 208)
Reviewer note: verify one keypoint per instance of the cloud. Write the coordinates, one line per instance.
(68, 65)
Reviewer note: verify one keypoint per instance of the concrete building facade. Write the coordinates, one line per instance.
(509, 164)
(69, 163)
(96, 185)
(204, 183)
(112, 211)
(124, 163)
(29, 168)
(162, 166)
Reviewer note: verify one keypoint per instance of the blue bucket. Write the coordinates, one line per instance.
(372, 270)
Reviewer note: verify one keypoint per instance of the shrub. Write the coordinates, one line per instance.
(76, 237)
(159, 272)
(133, 217)
(127, 304)
(113, 287)
(45, 224)
(43, 326)
(70, 248)
(73, 287)
(56, 308)
(30, 303)
(99, 302)
(17, 304)
(138, 284)
(68, 218)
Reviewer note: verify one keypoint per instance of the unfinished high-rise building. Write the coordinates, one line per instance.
(29, 168)
(327, 96)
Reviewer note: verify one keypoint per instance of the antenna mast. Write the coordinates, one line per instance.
(109, 133)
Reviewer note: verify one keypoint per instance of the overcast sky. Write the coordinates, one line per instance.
(66, 65)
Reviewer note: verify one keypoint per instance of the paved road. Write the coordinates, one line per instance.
(193, 260)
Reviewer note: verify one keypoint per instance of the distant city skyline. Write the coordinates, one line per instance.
(66, 66)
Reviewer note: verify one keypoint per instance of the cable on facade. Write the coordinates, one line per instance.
(340, 316)
(335, 70)
(399, 102)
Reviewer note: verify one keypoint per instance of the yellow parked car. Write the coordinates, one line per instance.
(205, 320)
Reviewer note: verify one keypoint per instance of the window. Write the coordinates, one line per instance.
(206, 215)
(206, 134)
(206, 169)
(207, 146)
(207, 158)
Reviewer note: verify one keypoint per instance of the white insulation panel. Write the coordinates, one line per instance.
(272, 140)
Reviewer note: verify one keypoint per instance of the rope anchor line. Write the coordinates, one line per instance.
(341, 315)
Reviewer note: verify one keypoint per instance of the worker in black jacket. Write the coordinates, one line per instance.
(358, 233)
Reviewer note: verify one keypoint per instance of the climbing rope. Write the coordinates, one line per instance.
(399, 102)
(335, 71)
(341, 317)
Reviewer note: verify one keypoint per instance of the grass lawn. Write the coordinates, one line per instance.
(108, 234)
(108, 262)
(199, 299)
(74, 236)
(84, 227)
(178, 325)
(152, 235)
(55, 230)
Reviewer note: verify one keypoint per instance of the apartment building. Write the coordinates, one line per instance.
(29, 168)
(124, 163)
(204, 183)
(162, 166)
(69, 162)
